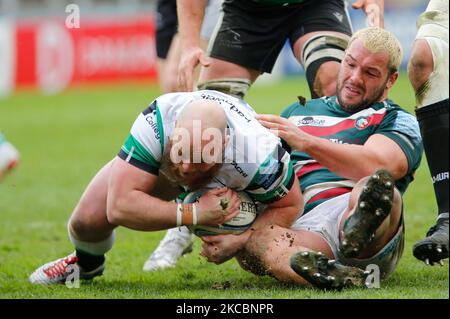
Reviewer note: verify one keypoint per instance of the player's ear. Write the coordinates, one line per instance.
(392, 79)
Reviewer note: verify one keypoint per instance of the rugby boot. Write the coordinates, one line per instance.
(434, 248)
(176, 243)
(374, 205)
(325, 273)
(57, 271)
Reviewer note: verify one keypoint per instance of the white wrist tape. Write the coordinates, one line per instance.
(194, 218)
(179, 214)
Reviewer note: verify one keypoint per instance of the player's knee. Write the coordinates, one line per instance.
(79, 227)
(256, 239)
(254, 256)
(87, 221)
(260, 241)
(317, 51)
(263, 236)
(236, 87)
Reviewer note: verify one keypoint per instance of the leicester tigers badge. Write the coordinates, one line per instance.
(362, 122)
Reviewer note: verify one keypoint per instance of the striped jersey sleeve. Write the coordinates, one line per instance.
(403, 128)
(274, 178)
(143, 147)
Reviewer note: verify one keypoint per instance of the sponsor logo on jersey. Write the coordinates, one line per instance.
(215, 98)
(233, 107)
(337, 141)
(270, 173)
(239, 169)
(309, 120)
(151, 120)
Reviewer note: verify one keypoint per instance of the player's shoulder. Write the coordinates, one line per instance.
(395, 112)
(173, 98)
(228, 102)
(319, 106)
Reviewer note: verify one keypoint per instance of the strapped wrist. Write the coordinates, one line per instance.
(186, 214)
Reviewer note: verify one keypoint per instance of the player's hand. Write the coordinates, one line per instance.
(374, 10)
(190, 58)
(220, 248)
(284, 129)
(217, 206)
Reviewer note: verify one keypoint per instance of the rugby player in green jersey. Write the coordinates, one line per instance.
(354, 155)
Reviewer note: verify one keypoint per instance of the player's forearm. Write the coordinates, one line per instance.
(347, 160)
(190, 19)
(140, 211)
(281, 216)
(375, 12)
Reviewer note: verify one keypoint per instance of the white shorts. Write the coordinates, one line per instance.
(325, 220)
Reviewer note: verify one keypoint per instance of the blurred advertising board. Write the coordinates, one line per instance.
(47, 54)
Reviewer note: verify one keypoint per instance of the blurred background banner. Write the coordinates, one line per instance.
(48, 55)
(115, 40)
(52, 56)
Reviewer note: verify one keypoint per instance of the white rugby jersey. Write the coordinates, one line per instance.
(254, 160)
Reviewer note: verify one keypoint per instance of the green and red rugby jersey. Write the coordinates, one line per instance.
(326, 119)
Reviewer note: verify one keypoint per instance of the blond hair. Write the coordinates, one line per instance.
(378, 40)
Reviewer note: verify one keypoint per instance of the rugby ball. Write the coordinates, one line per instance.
(237, 225)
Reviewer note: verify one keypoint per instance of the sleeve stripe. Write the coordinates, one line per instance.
(143, 166)
(139, 151)
(413, 154)
(290, 179)
(150, 108)
(280, 191)
(160, 127)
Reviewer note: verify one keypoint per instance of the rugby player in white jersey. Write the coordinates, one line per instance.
(202, 139)
(428, 73)
(179, 241)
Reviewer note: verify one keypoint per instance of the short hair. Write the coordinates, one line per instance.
(378, 40)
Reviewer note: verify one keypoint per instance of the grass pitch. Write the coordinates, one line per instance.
(64, 139)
